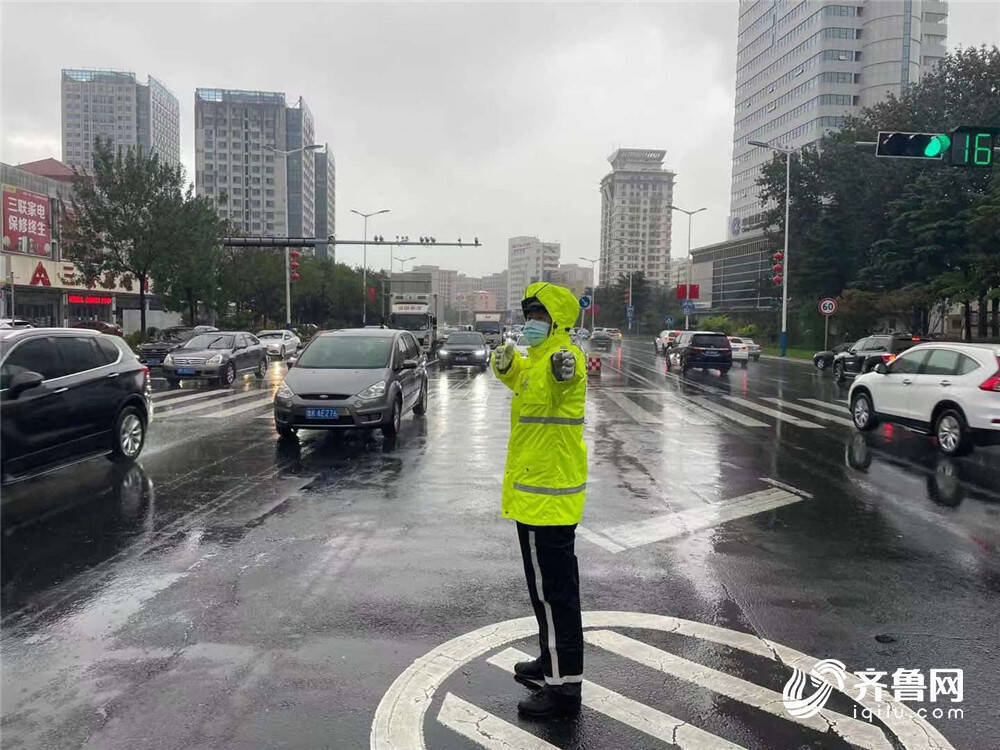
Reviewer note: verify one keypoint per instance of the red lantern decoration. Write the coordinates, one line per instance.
(777, 268)
(778, 255)
(777, 279)
(294, 277)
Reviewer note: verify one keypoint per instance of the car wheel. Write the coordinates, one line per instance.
(284, 430)
(173, 382)
(129, 435)
(725, 370)
(862, 412)
(261, 369)
(838, 371)
(228, 375)
(420, 408)
(951, 431)
(684, 366)
(820, 364)
(391, 428)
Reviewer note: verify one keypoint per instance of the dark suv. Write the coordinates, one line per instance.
(708, 350)
(866, 353)
(153, 352)
(67, 395)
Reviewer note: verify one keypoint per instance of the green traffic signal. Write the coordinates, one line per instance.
(936, 146)
(895, 145)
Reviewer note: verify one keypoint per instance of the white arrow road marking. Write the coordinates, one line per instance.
(631, 408)
(826, 404)
(669, 525)
(485, 729)
(637, 715)
(855, 731)
(773, 413)
(810, 412)
(266, 400)
(208, 404)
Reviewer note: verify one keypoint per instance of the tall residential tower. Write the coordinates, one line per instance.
(528, 260)
(801, 66)
(635, 215)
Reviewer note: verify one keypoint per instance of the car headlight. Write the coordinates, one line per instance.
(375, 390)
(284, 392)
(482, 352)
(443, 352)
(169, 359)
(216, 360)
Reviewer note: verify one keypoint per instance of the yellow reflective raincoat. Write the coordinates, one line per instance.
(545, 479)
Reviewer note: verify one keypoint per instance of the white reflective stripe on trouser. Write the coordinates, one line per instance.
(550, 490)
(553, 656)
(550, 420)
(565, 680)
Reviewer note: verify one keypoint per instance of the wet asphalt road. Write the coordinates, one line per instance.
(236, 591)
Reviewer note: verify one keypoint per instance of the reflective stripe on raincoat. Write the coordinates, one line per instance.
(545, 477)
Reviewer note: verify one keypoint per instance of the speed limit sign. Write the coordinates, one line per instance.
(827, 306)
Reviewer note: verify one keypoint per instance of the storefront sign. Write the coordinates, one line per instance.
(79, 299)
(62, 275)
(26, 222)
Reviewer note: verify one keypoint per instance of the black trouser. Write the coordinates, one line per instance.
(554, 585)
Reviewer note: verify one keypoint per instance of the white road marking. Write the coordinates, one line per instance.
(856, 732)
(161, 414)
(773, 413)
(669, 525)
(485, 729)
(637, 413)
(190, 397)
(794, 490)
(810, 412)
(598, 539)
(267, 400)
(705, 403)
(637, 715)
(824, 404)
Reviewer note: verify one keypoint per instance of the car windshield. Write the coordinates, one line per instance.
(736, 340)
(347, 353)
(410, 322)
(465, 338)
(174, 335)
(270, 335)
(710, 339)
(211, 341)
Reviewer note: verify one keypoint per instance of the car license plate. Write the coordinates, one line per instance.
(185, 371)
(152, 360)
(461, 358)
(711, 353)
(321, 414)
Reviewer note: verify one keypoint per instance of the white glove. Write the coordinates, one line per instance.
(563, 365)
(503, 357)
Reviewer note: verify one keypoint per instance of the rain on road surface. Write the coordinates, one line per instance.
(237, 591)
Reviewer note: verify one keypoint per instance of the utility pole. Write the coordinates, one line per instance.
(364, 264)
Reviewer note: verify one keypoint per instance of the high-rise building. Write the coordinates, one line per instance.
(636, 215)
(299, 133)
(574, 277)
(803, 66)
(112, 105)
(528, 260)
(443, 282)
(326, 202)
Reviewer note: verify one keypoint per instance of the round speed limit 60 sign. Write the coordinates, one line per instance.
(827, 306)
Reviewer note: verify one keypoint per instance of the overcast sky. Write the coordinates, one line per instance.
(463, 119)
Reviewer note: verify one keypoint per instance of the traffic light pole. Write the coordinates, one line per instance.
(784, 276)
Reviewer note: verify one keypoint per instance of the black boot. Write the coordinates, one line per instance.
(552, 701)
(530, 670)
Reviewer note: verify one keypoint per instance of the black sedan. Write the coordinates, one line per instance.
(464, 349)
(216, 356)
(823, 360)
(152, 353)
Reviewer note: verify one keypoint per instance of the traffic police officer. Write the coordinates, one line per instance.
(544, 485)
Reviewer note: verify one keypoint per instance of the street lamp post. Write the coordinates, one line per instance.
(402, 268)
(687, 287)
(593, 298)
(288, 270)
(784, 276)
(364, 265)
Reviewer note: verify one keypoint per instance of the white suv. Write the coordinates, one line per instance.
(949, 390)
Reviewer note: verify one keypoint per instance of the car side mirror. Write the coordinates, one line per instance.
(409, 364)
(291, 362)
(24, 381)
(881, 368)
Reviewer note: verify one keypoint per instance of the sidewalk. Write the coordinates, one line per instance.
(806, 362)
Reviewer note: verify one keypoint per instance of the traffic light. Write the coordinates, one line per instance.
(293, 264)
(973, 146)
(628, 296)
(912, 145)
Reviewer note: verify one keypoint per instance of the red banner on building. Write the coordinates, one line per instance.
(26, 220)
(682, 291)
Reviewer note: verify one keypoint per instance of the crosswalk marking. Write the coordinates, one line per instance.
(637, 715)
(854, 731)
(810, 412)
(599, 539)
(164, 402)
(204, 404)
(825, 404)
(485, 729)
(631, 408)
(773, 413)
(669, 525)
(266, 400)
(705, 403)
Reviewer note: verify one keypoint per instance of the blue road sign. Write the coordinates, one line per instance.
(631, 310)
(687, 307)
(584, 302)
(669, 320)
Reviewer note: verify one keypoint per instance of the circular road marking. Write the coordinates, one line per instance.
(399, 718)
